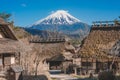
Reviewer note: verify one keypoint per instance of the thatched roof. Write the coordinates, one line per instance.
(53, 51)
(7, 32)
(68, 46)
(47, 50)
(2, 21)
(62, 57)
(99, 41)
(9, 46)
(8, 42)
(58, 57)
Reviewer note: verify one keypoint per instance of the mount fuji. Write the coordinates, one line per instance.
(61, 21)
(59, 17)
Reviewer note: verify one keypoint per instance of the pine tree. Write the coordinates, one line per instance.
(5, 16)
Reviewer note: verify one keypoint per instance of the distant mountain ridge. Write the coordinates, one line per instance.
(43, 34)
(61, 21)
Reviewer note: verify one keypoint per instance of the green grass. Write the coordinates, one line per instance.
(118, 77)
(54, 79)
(89, 79)
(86, 78)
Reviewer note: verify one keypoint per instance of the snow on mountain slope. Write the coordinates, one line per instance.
(59, 17)
(61, 21)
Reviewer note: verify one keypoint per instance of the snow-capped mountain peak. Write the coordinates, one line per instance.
(59, 17)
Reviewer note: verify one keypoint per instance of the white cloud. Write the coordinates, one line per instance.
(23, 5)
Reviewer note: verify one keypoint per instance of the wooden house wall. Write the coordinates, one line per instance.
(95, 65)
(77, 61)
(6, 60)
(11, 75)
(17, 58)
(14, 76)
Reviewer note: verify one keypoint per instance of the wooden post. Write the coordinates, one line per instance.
(75, 69)
(108, 62)
(106, 23)
(48, 66)
(80, 62)
(64, 68)
(100, 24)
(2, 61)
(119, 65)
(81, 66)
(87, 65)
(94, 65)
(1, 64)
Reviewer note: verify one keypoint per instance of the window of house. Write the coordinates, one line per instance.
(7, 59)
(86, 64)
(12, 60)
(1, 36)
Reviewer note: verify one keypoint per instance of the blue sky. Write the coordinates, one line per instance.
(26, 12)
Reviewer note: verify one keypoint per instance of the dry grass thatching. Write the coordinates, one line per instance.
(99, 41)
(2, 21)
(8, 46)
(40, 52)
(47, 50)
(7, 32)
(9, 43)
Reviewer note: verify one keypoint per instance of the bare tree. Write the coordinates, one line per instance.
(24, 55)
(37, 58)
(41, 53)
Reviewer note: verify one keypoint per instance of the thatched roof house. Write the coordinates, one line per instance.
(99, 41)
(54, 53)
(96, 47)
(10, 49)
(47, 49)
(8, 41)
(65, 53)
(51, 48)
(39, 55)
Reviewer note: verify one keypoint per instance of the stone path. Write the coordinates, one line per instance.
(63, 77)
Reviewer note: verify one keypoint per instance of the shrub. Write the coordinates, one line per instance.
(106, 75)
